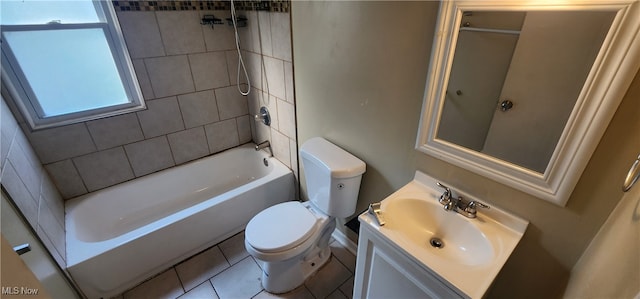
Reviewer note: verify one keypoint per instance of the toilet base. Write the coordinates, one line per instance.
(282, 277)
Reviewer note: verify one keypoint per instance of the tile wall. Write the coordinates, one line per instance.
(29, 186)
(266, 44)
(187, 73)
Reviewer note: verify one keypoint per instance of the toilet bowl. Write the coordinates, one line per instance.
(290, 240)
(290, 257)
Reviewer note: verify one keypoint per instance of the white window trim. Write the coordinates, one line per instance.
(24, 97)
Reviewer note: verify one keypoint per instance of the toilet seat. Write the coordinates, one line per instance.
(281, 227)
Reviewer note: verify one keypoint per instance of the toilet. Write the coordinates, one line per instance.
(290, 240)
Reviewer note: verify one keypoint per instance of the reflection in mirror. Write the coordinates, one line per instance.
(538, 61)
(561, 69)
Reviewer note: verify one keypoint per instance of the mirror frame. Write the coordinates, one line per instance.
(613, 70)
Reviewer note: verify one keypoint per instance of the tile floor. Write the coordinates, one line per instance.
(228, 271)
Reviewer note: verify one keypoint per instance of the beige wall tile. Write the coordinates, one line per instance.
(66, 178)
(29, 170)
(143, 79)
(169, 75)
(198, 108)
(222, 135)
(280, 146)
(50, 194)
(61, 143)
(232, 65)
(286, 119)
(222, 36)
(161, 117)
(115, 131)
(149, 155)
(281, 35)
(104, 168)
(275, 77)
(181, 32)
(288, 82)
(20, 195)
(264, 31)
(244, 128)
(8, 129)
(249, 37)
(51, 248)
(6, 139)
(209, 70)
(188, 145)
(141, 33)
(231, 103)
(50, 226)
(255, 69)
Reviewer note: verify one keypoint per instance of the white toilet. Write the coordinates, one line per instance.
(291, 240)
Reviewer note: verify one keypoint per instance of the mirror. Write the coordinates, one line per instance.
(522, 93)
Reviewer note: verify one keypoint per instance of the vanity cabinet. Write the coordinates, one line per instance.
(384, 271)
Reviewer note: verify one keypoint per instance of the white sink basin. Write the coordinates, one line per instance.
(472, 250)
(423, 222)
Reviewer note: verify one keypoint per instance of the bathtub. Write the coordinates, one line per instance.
(119, 236)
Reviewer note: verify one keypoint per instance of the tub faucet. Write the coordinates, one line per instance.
(264, 144)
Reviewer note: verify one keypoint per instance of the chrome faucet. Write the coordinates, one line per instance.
(445, 198)
(459, 204)
(264, 144)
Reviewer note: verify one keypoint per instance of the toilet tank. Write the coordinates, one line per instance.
(332, 177)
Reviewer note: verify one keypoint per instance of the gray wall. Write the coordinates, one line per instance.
(360, 70)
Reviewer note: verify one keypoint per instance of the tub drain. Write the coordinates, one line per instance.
(436, 243)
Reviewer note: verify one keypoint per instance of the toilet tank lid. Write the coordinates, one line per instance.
(339, 162)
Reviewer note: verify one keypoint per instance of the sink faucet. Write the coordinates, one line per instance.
(445, 198)
(459, 204)
(264, 144)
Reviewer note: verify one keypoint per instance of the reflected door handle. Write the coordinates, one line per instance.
(632, 175)
(22, 249)
(506, 105)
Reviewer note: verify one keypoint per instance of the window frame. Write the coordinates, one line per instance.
(16, 83)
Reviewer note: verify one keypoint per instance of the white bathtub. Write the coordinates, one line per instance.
(119, 236)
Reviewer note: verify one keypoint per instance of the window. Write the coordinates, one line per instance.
(65, 61)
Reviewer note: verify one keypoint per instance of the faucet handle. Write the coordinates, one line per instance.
(471, 206)
(447, 189)
(447, 192)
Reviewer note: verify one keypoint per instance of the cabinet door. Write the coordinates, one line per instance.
(382, 272)
(389, 280)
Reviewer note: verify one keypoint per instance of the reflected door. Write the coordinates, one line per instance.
(550, 64)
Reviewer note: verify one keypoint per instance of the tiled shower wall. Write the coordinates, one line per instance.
(29, 186)
(187, 73)
(266, 45)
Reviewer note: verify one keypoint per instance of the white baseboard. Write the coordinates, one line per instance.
(339, 236)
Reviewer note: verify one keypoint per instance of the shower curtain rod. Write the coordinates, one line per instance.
(503, 31)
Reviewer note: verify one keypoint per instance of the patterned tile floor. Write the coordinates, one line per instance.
(228, 271)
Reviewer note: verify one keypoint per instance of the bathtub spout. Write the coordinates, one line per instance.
(265, 144)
